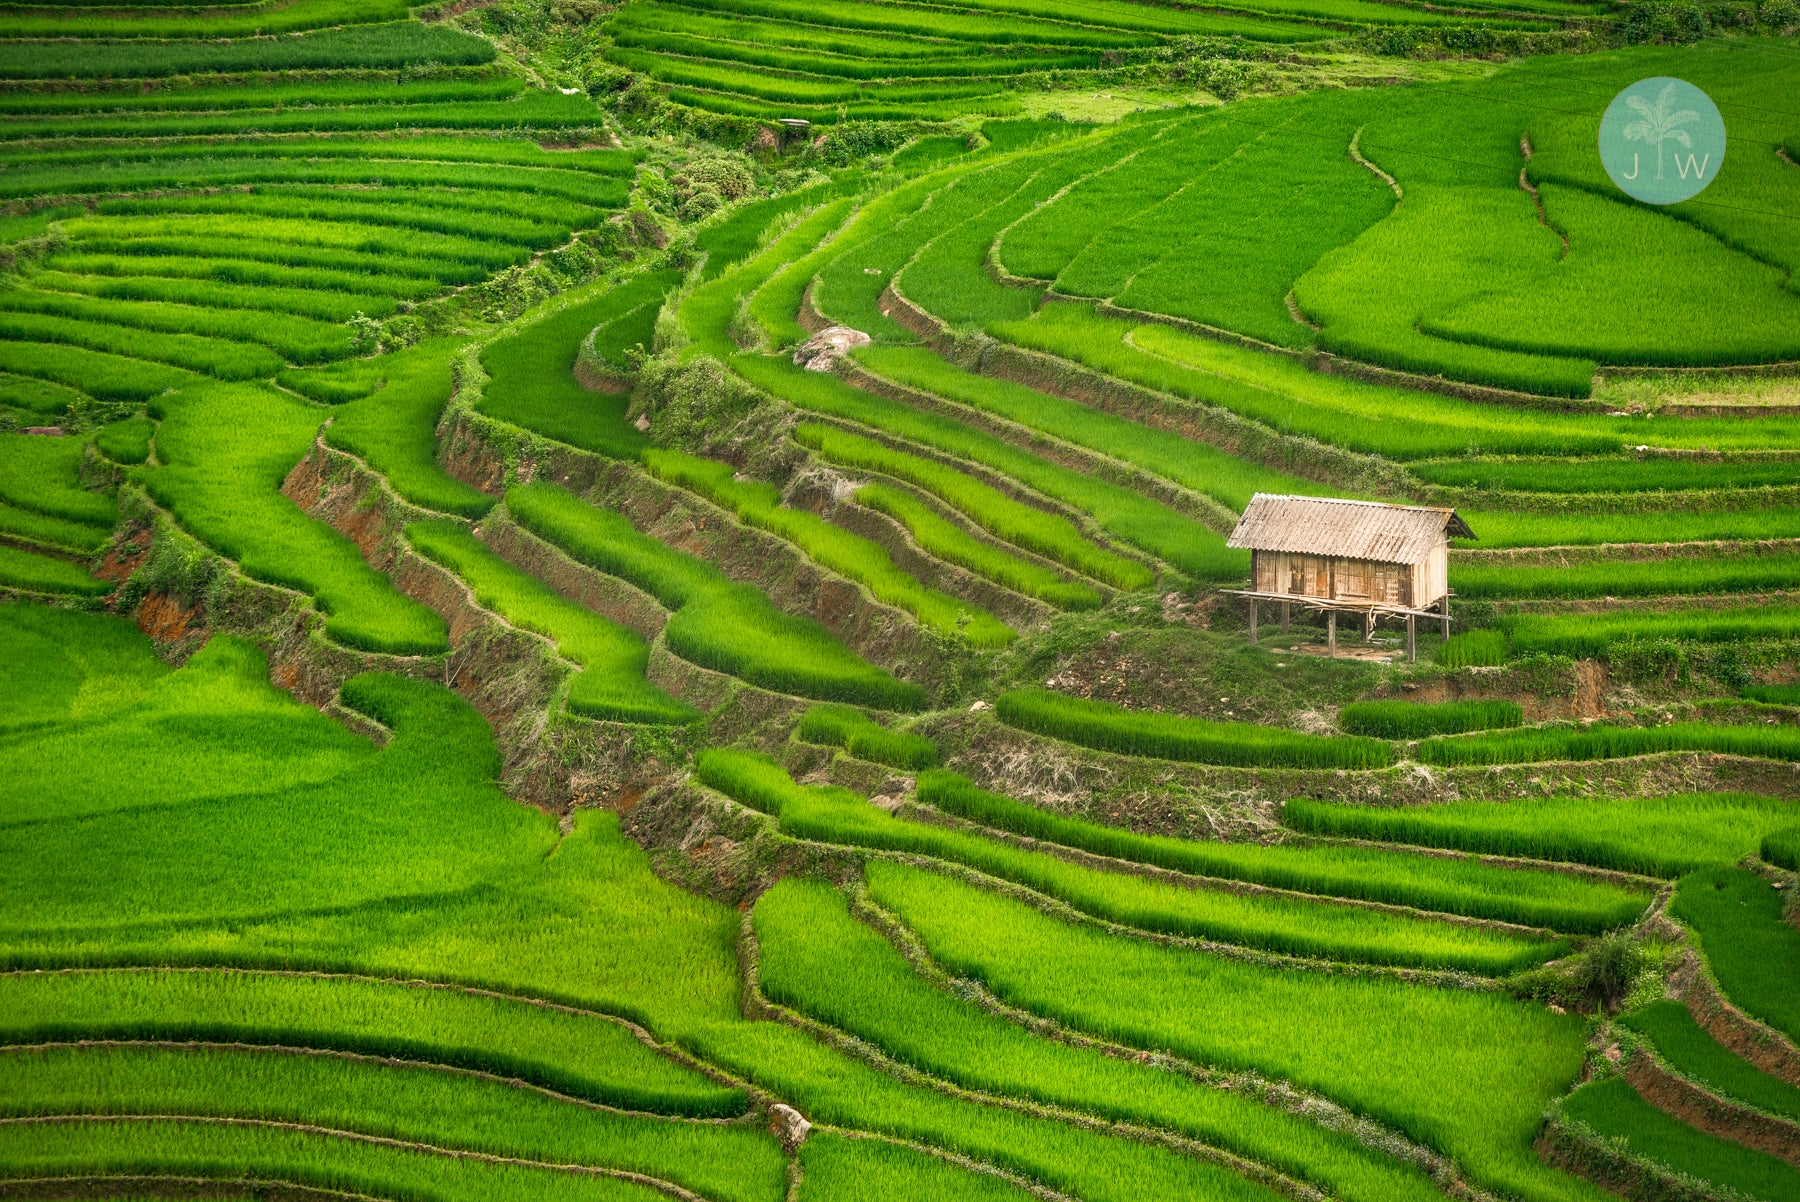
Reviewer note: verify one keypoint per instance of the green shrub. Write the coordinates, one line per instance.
(1107, 727)
(866, 739)
(1416, 720)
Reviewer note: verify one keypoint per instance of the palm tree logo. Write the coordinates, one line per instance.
(1660, 123)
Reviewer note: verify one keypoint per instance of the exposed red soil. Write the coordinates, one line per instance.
(164, 619)
(125, 557)
(468, 457)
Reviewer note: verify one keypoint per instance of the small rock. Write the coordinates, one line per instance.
(788, 1125)
(46, 431)
(1555, 1009)
(570, 91)
(643, 422)
(886, 802)
(979, 706)
(825, 348)
(1614, 1054)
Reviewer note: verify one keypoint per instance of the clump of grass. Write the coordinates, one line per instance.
(1476, 648)
(1454, 886)
(1783, 848)
(1107, 727)
(1538, 745)
(1658, 836)
(1414, 720)
(855, 732)
(46, 574)
(1277, 924)
(1774, 694)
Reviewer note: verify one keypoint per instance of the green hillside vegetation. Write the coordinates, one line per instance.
(490, 710)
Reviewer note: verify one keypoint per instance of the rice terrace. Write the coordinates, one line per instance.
(926, 600)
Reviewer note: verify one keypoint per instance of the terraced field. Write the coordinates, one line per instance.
(563, 638)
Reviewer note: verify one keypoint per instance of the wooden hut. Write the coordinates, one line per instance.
(1360, 557)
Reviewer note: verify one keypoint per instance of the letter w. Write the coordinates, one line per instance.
(1699, 169)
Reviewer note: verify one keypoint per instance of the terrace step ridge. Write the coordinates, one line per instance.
(877, 1058)
(1690, 1102)
(1230, 432)
(962, 521)
(1016, 609)
(1197, 505)
(278, 1049)
(668, 1050)
(1771, 1051)
(1276, 1092)
(680, 1193)
(921, 812)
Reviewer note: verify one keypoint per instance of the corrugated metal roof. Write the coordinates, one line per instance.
(1348, 529)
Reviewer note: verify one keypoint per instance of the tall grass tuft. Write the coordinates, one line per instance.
(1472, 649)
(1414, 720)
(855, 732)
